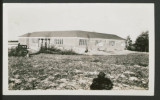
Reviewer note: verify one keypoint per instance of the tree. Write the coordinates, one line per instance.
(128, 43)
(142, 42)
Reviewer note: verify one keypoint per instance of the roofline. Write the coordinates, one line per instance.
(69, 30)
(72, 37)
(73, 30)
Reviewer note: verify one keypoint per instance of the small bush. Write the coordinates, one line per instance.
(54, 50)
(68, 52)
(12, 52)
(133, 48)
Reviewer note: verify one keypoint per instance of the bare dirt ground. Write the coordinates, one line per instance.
(124, 52)
(76, 72)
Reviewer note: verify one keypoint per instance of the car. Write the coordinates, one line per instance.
(22, 50)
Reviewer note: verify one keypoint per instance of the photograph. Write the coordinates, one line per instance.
(78, 49)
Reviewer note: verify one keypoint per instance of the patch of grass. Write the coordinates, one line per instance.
(46, 71)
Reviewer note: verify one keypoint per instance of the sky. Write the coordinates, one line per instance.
(122, 19)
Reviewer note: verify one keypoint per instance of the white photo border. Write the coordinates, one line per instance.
(149, 92)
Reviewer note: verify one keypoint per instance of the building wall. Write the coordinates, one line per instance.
(97, 44)
(22, 41)
(12, 45)
(32, 43)
(73, 43)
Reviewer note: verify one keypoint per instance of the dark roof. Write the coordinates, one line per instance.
(84, 34)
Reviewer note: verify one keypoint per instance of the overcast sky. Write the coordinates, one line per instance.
(120, 19)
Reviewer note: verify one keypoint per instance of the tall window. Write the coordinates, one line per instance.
(82, 42)
(112, 43)
(58, 41)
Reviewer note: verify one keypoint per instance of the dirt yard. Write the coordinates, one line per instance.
(74, 72)
(124, 52)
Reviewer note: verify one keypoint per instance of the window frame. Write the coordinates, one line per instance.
(83, 42)
(112, 43)
(58, 41)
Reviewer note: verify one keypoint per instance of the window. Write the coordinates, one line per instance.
(112, 43)
(122, 44)
(82, 42)
(58, 41)
(97, 42)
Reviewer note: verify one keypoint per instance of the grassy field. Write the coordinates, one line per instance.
(73, 72)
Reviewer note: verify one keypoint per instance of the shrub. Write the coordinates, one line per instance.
(54, 50)
(68, 52)
(132, 48)
(12, 52)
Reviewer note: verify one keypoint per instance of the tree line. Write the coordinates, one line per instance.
(141, 44)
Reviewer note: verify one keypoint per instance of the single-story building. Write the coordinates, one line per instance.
(12, 44)
(78, 41)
